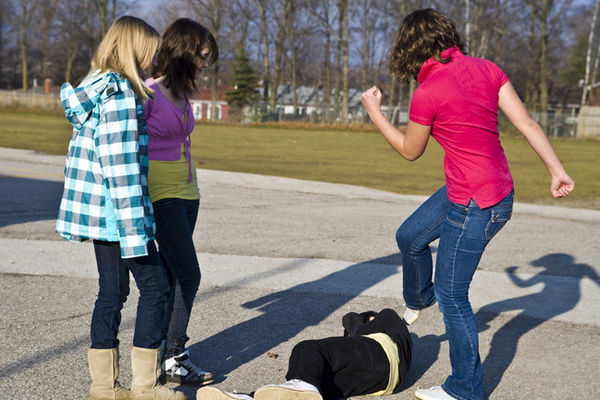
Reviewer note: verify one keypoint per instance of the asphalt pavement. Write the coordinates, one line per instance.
(282, 261)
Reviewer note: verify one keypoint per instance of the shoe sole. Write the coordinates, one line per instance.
(164, 379)
(281, 393)
(212, 393)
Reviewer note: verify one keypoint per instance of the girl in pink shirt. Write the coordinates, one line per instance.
(456, 103)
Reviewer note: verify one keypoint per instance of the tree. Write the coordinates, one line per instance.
(24, 19)
(282, 23)
(211, 12)
(588, 59)
(244, 82)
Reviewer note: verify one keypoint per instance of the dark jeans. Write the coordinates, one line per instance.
(175, 222)
(340, 366)
(151, 279)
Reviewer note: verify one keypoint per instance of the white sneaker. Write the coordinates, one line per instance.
(410, 315)
(291, 390)
(212, 393)
(434, 393)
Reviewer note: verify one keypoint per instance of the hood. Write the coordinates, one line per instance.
(79, 103)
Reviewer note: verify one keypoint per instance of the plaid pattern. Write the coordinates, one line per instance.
(106, 190)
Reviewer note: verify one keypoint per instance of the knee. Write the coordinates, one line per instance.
(405, 239)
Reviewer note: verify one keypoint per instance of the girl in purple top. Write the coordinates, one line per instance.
(187, 48)
(456, 103)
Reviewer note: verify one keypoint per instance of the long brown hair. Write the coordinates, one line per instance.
(424, 33)
(129, 43)
(179, 54)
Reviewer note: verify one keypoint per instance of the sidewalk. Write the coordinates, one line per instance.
(282, 260)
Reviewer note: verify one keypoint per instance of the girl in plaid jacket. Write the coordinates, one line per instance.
(106, 199)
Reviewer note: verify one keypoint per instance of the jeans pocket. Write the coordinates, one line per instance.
(498, 218)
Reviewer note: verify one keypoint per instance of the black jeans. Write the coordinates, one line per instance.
(175, 222)
(340, 366)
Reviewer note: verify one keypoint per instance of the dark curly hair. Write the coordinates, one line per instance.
(179, 54)
(424, 33)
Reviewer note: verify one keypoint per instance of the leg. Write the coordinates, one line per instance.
(175, 221)
(464, 237)
(413, 237)
(151, 279)
(112, 293)
(340, 367)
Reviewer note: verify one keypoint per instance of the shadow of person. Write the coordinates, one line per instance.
(28, 200)
(426, 351)
(286, 313)
(559, 295)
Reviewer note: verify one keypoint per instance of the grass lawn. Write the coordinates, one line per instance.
(338, 156)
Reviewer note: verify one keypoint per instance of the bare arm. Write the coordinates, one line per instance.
(509, 102)
(410, 145)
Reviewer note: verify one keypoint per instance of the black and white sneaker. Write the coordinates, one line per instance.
(181, 371)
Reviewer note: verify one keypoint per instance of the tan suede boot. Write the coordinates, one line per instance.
(145, 367)
(104, 369)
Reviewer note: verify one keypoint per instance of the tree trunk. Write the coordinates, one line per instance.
(265, 43)
(327, 78)
(588, 58)
(547, 5)
(279, 43)
(338, 60)
(530, 85)
(391, 98)
(346, 65)
(293, 58)
(499, 23)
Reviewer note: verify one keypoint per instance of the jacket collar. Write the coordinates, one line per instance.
(431, 65)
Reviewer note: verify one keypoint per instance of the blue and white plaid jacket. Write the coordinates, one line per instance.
(106, 191)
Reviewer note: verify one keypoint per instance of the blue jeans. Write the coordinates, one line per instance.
(464, 232)
(175, 222)
(151, 279)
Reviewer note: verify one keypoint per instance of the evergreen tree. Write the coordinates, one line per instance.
(244, 83)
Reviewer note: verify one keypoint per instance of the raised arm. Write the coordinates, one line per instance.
(509, 102)
(410, 145)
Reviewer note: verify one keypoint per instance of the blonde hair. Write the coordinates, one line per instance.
(128, 44)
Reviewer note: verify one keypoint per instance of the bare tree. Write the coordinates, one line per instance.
(281, 11)
(24, 19)
(210, 12)
(346, 59)
(588, 58)
(49, 8)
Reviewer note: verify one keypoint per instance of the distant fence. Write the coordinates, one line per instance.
(30, 100)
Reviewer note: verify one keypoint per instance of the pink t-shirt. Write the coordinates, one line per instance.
(168, 127)
(460, 100)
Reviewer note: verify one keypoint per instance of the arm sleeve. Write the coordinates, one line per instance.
(422, 108)
(117, 147)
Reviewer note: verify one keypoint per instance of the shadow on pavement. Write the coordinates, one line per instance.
(506, 339)
(286, 313)
(27, 200)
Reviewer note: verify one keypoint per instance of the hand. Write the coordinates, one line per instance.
(561, 186)
(371, 99)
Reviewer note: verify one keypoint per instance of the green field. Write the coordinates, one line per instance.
(337, 156)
